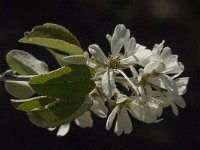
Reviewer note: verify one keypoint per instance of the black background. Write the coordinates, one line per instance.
(150, 21)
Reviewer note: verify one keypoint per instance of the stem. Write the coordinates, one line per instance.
(11, 75)
(129, 81)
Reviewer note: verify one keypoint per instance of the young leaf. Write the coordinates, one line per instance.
(32, 104)
(53, 31)
(19, 89)
(65, 83)
(61, 113)
(24, 63)
(60, 45)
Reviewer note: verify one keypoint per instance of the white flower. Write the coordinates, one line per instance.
(162, 61)
(134, 53)
(162, 91)
(174, 97)
(123, 123)
(147, 112)
(116, 42)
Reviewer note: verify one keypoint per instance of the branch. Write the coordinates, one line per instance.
(11, 75)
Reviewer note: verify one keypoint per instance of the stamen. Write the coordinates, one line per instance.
(113, 63)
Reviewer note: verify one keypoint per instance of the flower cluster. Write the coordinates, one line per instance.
(132, 81)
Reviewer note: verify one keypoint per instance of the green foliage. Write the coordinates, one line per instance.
(24, 63)
(74, 59)
(71, 85)
(61, 113)
(19, 89)
(59, 45)
(32, 104)
(54, 37)
(53, 31)
(64, 93)
(64, 82)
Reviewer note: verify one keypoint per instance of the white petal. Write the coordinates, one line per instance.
(86, 54)
(51, 129)
(111, 117)
(127, 38)
(142, 55)
(158, 47)
(173, 66)
(63, 130)
(174, 109)
(134, 110)
(169, 99)
(108, 83)
(118, 39)
(128, 61)
(100, 112)
(166, 53)
(181, 84)
(169, 61)
(127, 124)
(84, 120)
(178, 100)
(119, 125)
(109, 37)
(97, 53)
(149, 68)
(147, 116)
(140, 47)
(162, 81)
(131, 47)
(99, 108)
(155, 109)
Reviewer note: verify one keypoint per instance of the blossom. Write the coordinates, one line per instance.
(123, 121)
(123, 106)
(174, 98)
(160, 91)
(134, 53)
(162, 61)
(149, 111)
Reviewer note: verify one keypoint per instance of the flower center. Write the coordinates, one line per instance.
(113, 63)
(126, 103)
(144, 80)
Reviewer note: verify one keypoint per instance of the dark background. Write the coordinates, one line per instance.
(150, 21)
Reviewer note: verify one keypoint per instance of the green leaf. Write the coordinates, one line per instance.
(74, 59)
(32, 104)
(65, 83)
(58, 57)
(24, 63)
(53, 31)
(19, 89)
(53, 36)
(61, 113)
(60, 45)
(64, 60)
(71, 84)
